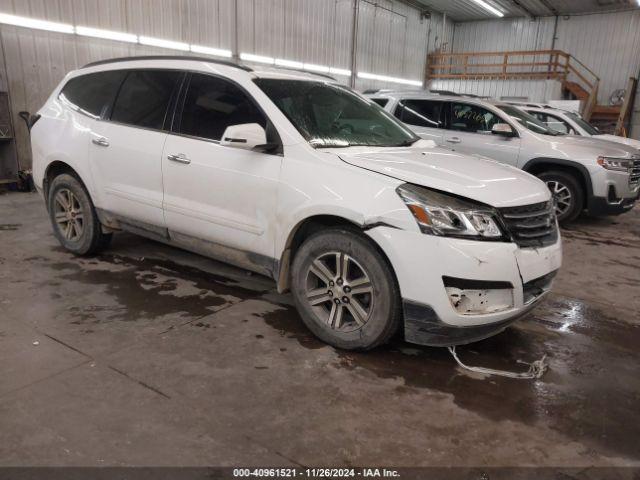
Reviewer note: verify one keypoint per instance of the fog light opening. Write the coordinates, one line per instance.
(480, 301)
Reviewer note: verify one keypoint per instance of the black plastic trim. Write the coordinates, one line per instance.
(563, 163)
(465, 283)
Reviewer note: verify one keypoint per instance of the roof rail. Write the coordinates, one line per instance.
(168, 57)
(310, 72)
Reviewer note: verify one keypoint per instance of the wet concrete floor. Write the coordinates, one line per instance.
(147, 355)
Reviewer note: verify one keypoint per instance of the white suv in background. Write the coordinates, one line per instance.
(571, 123)
(299, 178)
(583, 173)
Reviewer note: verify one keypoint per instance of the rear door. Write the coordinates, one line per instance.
(469, 131)
(126, 151)
(424, 117)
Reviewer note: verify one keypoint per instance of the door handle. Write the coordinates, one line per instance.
(180, 158)
(454, 140)
(101, 142)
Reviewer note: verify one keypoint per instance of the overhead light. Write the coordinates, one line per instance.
(211, 51)
(37, 24)
(159, 42)
(384, 78)
(249, 57)
(340, 71)
(316, 68)
(491, 9)
(288, 63)
(108, 34)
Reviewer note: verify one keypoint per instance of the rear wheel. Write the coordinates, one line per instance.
(345, 290)
(567, 194)
(73, 216)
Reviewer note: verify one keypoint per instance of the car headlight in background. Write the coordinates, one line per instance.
(445, 215)
(616, 164)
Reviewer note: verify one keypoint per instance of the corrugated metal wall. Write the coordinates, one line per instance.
(392, 40)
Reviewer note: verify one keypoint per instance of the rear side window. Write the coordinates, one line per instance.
(93, 93)
(380, 101)
(144, 98)
(212, 104)
(422, 113)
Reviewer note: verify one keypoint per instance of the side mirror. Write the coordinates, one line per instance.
(246, 136)
(503, 129)
(28, 118)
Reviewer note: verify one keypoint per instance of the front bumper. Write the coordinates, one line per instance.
(612, 193)
(421, 261)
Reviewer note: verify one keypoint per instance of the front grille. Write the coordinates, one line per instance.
(531, 225)
(634, 178)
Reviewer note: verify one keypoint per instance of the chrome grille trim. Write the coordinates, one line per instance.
(531, 225)
(634, 174)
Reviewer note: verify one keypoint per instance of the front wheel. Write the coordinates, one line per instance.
(345, 290)
(73, 217)
(567, 194)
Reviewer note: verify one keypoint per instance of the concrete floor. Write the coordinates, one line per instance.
(148, 355)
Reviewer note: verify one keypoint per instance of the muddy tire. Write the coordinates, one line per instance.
(567, 193)
(73, 217)
(345, 290)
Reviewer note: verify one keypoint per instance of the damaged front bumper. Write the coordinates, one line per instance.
(459, 291)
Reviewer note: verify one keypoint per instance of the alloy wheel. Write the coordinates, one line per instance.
(562, 197)
(340, 291)
(68, 214)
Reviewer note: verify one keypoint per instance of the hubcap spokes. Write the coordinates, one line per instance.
(561, 195)
(68, 214)
(340, 291)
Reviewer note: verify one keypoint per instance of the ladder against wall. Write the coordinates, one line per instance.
(578, 81)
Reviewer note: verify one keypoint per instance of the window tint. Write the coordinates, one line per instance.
(380, 101)
(472, 118)
(553, 123)
(423, 113)
(213, 104)
(144, 98)
(93, 93)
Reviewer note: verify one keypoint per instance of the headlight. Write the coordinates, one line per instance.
(441, 214)
(616, 164)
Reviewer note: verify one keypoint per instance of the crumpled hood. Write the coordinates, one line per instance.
(482, 180)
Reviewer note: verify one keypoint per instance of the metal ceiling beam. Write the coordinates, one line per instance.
(547, 4)
(526, 11)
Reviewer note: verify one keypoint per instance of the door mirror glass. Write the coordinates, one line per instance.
(246, 136)
(503, 129)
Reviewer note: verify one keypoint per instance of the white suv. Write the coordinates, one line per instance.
(582, 172)
(571, 123)
(297, 177)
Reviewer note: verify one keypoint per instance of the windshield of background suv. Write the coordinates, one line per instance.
(526, 120)
(330, 115)
(587, 127)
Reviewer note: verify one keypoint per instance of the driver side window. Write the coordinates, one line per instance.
(472, 118)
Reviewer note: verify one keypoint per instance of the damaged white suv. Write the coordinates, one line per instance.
(299, 178)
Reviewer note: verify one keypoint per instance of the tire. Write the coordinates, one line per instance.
(77, 227)
(370, 313)
(565, 187)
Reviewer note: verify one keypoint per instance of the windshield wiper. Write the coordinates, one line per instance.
(407, 143)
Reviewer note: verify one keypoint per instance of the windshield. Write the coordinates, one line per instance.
(330, 115)
(526, 120)
(583, 124)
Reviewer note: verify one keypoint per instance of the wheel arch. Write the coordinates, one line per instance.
(539, 165)
(55, 168)
(302, 230)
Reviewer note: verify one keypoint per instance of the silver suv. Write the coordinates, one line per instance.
(582, 172)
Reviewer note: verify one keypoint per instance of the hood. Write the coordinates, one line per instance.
(630, 142)
(592, 146)
(482, 180)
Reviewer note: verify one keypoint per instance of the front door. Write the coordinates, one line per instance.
(469, 131)
(219, 196)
